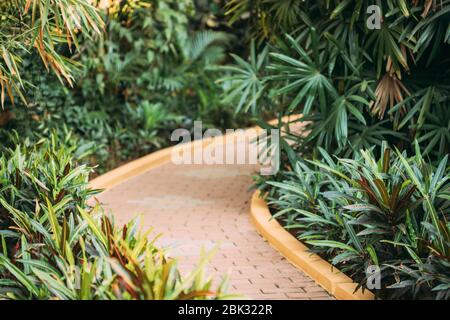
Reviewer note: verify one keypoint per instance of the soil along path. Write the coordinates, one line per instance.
(199, 206)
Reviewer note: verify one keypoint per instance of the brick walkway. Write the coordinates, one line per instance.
(200, 206)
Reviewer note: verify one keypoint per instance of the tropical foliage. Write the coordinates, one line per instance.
(42, 26)
(151, 71)
(390, 212)
(114, 78)
(56, 246)
(139, 69)
(360, 87)
(355, 86)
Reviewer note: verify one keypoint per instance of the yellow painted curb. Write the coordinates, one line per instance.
(158, 158)
(141, 165)
(331, 279)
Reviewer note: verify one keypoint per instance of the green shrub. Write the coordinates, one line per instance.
(55, 246)
(392, 212)
(356, 87)
(150, 73)
(41, 27)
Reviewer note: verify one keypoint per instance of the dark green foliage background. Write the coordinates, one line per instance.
(369, 182)
(358, 90)
(153, 71)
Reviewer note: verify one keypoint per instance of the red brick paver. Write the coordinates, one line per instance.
(201, 206)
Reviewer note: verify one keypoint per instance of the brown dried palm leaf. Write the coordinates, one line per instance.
(5, 117)
(428, 4)
(390, 91)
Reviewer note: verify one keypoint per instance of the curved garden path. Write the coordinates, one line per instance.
(200, 206)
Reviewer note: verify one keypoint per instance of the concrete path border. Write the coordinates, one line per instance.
(327, 276)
